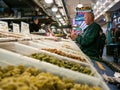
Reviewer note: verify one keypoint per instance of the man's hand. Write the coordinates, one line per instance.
(73, 35)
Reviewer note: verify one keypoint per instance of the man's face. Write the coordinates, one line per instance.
(100, 33)
(87, 19)
(36, 21)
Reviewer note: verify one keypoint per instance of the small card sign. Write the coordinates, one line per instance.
(16, 28)
(25, 28)
(3, 26)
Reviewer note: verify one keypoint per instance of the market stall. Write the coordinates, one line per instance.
(38, 50)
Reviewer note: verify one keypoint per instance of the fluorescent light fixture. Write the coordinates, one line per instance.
(49, 1)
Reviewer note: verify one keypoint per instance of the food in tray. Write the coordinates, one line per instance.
(64, 54)
(30, 78)
(67, 46)
(71, 51)
(14, 35)
(63, 63)
(59, 35)
(53, 38)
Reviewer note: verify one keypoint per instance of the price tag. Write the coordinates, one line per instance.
(16, 28)
(3, 26)
(25, 28)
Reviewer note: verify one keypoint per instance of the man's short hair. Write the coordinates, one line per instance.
(34, 18)
(91, 14)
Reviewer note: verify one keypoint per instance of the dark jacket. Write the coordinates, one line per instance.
(117, 36)
(89, 40)
(102, 39)
(34, 27)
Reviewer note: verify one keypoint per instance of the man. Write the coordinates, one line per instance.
(117, 35)
(89, 40)
(34, 27)
(102, 42)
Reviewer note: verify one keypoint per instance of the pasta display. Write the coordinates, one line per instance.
(30, 78)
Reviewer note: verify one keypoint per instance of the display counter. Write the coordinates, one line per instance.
(15, 53)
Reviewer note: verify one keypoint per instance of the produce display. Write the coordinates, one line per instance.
(63, 54)
(63, 63)
(29, 78)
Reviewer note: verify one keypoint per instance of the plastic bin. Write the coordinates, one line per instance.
(7, 58)
(25, 50)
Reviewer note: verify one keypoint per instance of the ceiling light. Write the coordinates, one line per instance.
(37, 9)
(79, 5)
(58, 15)
(60, 24)
(54, 8)
(49, 1)
(60, 19)
(64, 23)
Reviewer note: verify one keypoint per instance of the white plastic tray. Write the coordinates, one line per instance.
(27, 51)
(50, 44)
(7, 57)
(7, 39)
(18, 48)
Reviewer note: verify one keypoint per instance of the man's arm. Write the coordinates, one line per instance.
(90, 36)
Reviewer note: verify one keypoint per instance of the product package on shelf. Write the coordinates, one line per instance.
(28, 51)
(11, 58)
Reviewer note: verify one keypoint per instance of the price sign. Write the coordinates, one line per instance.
(25, 28)
(3, 26)
(16, 28)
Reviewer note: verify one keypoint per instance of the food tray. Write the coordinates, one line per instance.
(18, 48)
(49, 44)
(17, 59)
(73, 46)
(71, 43)
(27, 51)
(7, 39)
